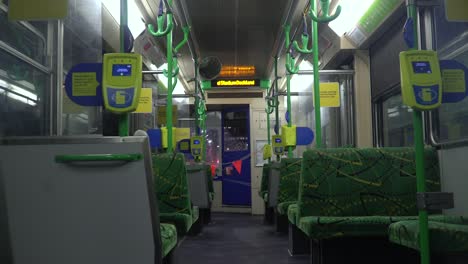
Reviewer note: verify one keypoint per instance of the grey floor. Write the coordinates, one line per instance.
(236, 239)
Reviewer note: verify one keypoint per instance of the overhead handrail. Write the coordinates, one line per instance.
(325, 18)
(305, 40)
(172, 70)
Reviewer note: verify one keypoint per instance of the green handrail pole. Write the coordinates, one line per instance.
(287, 30)
(318, 118)
(123, 118)
(197, 101)
(268, 133)
(419, 149)
(170, 89)
(277, 101)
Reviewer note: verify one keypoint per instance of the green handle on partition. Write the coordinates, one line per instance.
(305, 43)
(186, 31)
(97, 157)
(160, 21)
(325, 18)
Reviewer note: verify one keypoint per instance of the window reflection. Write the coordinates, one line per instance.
(236, 133)
(397, 123)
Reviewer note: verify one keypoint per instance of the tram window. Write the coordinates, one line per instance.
(451, 119)
(82, 43)
(397, 126)
(23, 98)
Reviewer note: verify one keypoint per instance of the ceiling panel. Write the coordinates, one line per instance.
(239, 32)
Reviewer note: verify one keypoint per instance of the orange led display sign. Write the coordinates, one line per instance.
(237, 71)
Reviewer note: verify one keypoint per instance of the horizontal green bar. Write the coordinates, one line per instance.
(98, 157)
(206, 85)
(265, 84)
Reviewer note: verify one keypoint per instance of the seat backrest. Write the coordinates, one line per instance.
(290, 173)
(361, 182)
(171, 184)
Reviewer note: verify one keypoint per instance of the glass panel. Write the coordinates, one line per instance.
(452, 44)
(336, 121)
(236, 132)
(82, 44)
(397, 122)
(213, 140)
(23, 101)
(30, 41)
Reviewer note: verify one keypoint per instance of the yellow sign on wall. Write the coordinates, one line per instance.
(162, 115)
(145, 104)
(453, 81)
(37, 10)
(182, 133)
(330, 94)
(456, 10)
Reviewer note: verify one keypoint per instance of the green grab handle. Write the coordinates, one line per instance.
(98, 157)
(289, 66)
(186, 31)
(305, 43)
(160, 22)
(325, 18)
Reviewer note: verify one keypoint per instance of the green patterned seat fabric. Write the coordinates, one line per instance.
(362, 182)
(168, 238)
(283, 207)
(263, 193)
(292, 213)
(323, 227)
(171, 187)
(183, 222)
(444, 237)
(290, 172)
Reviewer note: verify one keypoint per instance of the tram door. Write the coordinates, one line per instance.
(236, 156)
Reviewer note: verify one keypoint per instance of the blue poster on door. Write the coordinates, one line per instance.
(236, 156)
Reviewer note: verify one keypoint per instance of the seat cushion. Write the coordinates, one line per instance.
(168, 238)
(359, 226)
(282, 208)
(183, 222)
(444, 237)
(292, 213)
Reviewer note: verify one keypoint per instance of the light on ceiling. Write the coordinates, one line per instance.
(351, 12)
(135, 24)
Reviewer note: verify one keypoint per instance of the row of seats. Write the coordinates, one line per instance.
(358, 195)
(178, 216)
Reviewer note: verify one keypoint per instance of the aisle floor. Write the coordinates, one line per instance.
(236, 239)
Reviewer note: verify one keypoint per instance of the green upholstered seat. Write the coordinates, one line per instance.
(359, 183)
(168, 238)
(445, 237)
(263, 193)
(171, 187)
(292, 213)
(290, 172)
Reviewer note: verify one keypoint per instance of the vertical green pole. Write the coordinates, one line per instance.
(170, 89)
(318, 118)
(197, 101)
(287, 29)
(268, 133)
(123, 118)
(419, 147)
(277, 102)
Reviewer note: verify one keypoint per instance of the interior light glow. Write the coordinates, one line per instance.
(23, 92)
(135, 23)
(300, 83)
(351, 12)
